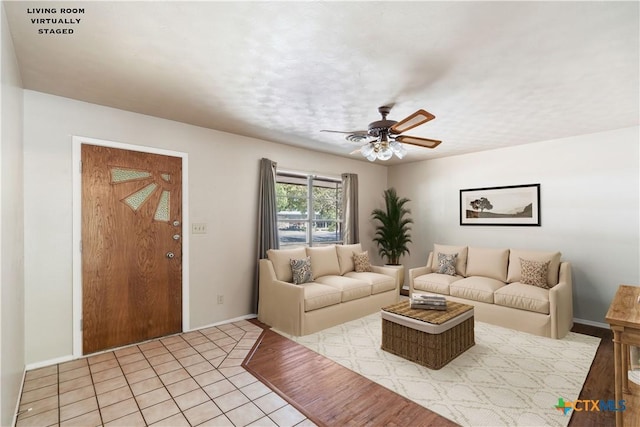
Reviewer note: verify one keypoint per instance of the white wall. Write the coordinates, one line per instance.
(223, 181)
(589, 200)
(12, 357)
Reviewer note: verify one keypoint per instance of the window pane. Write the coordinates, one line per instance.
(326, 203)
(291, 199)
(291, 232)
(326, 232)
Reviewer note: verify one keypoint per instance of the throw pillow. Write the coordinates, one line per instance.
(301, 270)
(447, 264)
(534, 273)
(361, 262)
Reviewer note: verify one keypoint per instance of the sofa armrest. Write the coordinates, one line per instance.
(388, 271)
(561, 303)
(415, 272)
(418, 271)
(280, 304)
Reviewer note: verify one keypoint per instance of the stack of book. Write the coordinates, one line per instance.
(428, 302)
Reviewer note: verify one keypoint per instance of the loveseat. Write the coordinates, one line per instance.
(530, 291)
(332, 292)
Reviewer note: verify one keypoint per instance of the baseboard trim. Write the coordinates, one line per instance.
(15, 413)
(591, 323)
(222, 322)
(67, 358)
(49, 362)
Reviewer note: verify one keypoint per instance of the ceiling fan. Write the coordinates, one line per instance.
(382, 138)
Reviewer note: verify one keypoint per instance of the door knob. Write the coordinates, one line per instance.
(170, 255)
(176, 237)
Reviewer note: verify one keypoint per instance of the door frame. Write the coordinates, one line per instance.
(76, 157)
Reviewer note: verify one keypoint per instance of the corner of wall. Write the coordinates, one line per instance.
(12, 315)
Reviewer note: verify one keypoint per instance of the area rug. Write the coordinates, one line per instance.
(508, 378)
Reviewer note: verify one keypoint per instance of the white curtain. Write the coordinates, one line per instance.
(350, 227)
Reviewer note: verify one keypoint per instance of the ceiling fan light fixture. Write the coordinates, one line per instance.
(372, 157)
(398, 149)
(402, 152)
(385, 153)
(367, 150)
(387, 140)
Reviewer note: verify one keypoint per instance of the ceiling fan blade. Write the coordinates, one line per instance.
(353, 132)
(420, 142)
(415, 119)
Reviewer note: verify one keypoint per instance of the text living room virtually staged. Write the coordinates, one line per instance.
(320, 213)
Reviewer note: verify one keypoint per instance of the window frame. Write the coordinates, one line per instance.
(309, 180)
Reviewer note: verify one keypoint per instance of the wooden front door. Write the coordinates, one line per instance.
(131, 246)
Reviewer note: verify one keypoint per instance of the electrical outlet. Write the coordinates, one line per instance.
(220, 299)
(199, 228)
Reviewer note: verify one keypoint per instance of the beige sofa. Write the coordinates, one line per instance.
(492, 279)
(336, 294)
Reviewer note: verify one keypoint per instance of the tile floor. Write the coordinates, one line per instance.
(190, 379)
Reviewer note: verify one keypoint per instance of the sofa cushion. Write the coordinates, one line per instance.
(447, 264)
(379, 282)
(301, 270)
(361, 262)
(281, 259)
(534, 273)
(515, 272)
(524, 297)
(476, 288)
(488, 262)
(435, 282)
(345, 256)
(351, 288)
(317, 296)
(324, 261)
(461, 262)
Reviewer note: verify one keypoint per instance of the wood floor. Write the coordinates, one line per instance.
(332, 395)
(600, 383)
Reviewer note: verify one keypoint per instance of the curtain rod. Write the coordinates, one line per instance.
(315, 175)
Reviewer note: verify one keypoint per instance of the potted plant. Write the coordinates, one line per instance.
(393, 229)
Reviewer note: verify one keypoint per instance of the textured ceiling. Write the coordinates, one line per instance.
(494, 74)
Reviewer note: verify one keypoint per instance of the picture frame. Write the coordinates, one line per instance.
(517, 205)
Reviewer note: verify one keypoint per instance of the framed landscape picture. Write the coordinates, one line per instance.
(510, 205)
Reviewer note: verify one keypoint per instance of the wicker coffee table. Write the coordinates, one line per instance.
(431, 338)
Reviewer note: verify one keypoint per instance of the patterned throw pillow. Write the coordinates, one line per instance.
(534, 273)
(301, 269)
(447, 264)
(361, 262)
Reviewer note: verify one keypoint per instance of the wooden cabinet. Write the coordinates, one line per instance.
(624, 319)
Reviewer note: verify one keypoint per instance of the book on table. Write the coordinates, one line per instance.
(428, 302)
(428, 297)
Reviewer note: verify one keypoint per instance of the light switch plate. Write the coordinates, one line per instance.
(199, 228)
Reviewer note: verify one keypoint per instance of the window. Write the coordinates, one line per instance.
(298, 224)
